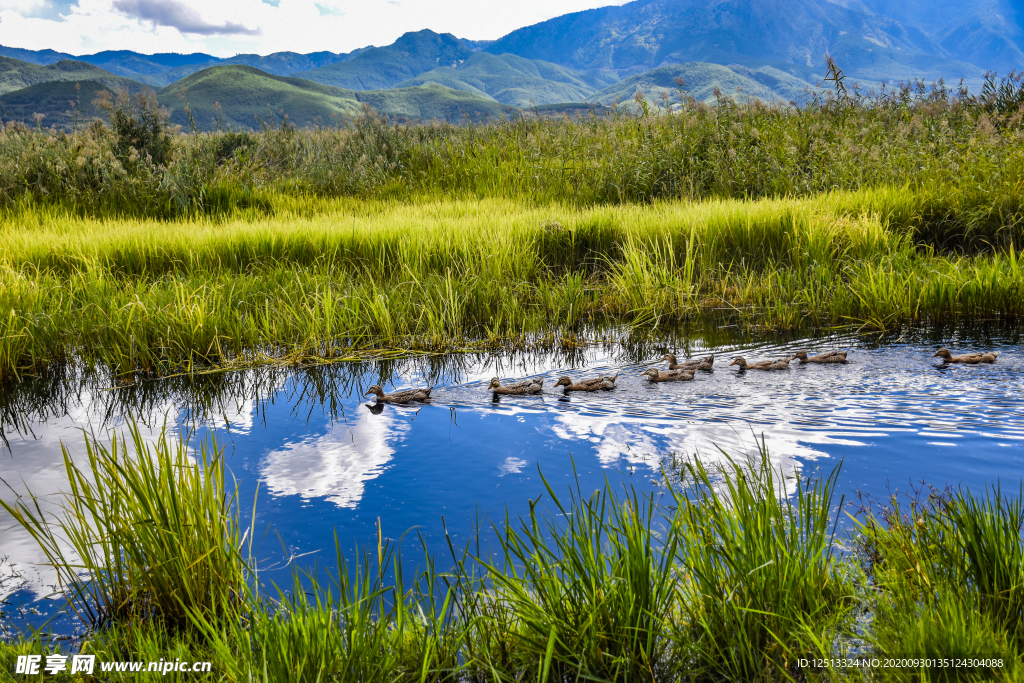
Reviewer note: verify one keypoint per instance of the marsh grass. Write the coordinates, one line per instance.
(354, 279)
(948, 570)
(145, 533)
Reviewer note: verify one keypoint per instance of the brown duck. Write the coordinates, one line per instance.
(694, 364)
(597, 383)
(656, 375)
(969, 358)
(530, 386)
(405, 396)
(827, 357)
(781, 364)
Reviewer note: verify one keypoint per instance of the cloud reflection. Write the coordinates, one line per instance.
(335, 465)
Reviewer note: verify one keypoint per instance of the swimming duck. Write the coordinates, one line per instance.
(594, 384)
(827, 357)
(406, 396)
(696, 363)
(781, 364)
(530, 386)
(656, 375)
(969, 358)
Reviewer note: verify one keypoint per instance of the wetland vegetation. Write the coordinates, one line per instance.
(145, 253)
(154, 253)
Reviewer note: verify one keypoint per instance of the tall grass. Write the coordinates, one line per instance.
(148, 534)
(949, 574)
(764, 585)
(355, 277)
(960, 153)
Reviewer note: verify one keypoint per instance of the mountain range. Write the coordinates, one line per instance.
(765, 49)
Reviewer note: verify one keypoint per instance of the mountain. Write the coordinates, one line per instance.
(383, 67)
(62, 103)
(986, 33)
(700, 80)
(248, 97)
(16, 74)
(790, 35)
(514, 80)
(432, 101)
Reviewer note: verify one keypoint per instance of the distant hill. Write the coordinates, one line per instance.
(699, 81)
(432, 101)
(790, 35)
(247, 96)
(16, 74)
(514, 80)
(62, 103)
(383, 67)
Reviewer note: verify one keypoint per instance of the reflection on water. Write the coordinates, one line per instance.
(324, 459)
(334, 465)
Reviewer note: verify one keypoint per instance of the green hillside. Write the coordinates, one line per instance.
(700, 79)
(383, 67)
(432, 101)
(16, 74)
(513, 80)
(62, 103)
(247, 95)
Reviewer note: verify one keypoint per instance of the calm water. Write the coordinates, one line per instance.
(325, 462)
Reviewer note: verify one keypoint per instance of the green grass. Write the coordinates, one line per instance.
(348, 278)
(733, 575)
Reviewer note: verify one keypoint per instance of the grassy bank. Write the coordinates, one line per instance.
(720, 579)
(327, 279)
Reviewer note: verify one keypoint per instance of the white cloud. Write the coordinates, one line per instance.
(295, 25)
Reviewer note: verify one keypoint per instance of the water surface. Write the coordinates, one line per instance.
(325, 460)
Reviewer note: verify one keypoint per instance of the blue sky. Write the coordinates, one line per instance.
(228, 27)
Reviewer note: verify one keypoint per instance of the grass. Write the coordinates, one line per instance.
(949, 572)
(733, 575)
(161, 254)
(346, 278)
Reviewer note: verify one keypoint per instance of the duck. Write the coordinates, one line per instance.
(530, 386)
(606, 383)
(696, 363)
(827, 357)
(405, 396)
(781, 364)
(969, 358)
(656, 375)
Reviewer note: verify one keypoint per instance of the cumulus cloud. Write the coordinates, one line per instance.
(176, 14)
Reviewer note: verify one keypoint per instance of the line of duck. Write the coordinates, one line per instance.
(676, 372)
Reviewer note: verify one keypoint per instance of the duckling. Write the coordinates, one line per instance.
(969, 358)
(530, 386)
(827, 357)
(696, 363)
(656, 375)
(406, 396)
(606, 383)
(781, 364)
